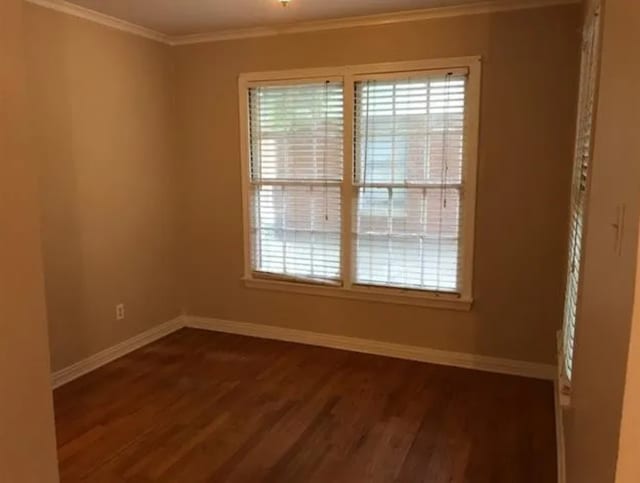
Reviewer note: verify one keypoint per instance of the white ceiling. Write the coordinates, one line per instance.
(183, 17)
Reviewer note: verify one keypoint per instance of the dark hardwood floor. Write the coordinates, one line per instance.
(201, 406)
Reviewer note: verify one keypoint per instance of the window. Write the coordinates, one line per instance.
(409, 135)
(296, 140)
(579, 189)
(360, 181)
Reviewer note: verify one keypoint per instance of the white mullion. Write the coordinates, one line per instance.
(346, 245)
(424, 207)
(285, 233)
(461, 239)
(313, 234)
(257, 236)
(394, 112)
(393, 134)
(423, 225)
(390, 233)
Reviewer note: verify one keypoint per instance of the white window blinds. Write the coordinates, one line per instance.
(296, 156)
(408, 171)
(581, 169)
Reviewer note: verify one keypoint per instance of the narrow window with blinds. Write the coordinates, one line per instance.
(409, 162)
(579, 189)
(296, 169)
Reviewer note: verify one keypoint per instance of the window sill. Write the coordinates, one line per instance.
(372, 294)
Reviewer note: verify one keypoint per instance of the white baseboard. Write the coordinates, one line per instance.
(414, 353)
(80, 368)
(388, 349)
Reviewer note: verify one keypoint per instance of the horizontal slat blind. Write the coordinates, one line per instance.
(296, 146)
(582, 162)
(409, 161)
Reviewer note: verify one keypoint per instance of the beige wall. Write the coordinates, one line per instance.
(628, 466)
(27, 440)
(127, 212)
(528, 109)
(101, 112)
(604, 319)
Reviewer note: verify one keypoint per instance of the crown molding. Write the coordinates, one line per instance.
(369, 20)
(102, 19)
(483, 7)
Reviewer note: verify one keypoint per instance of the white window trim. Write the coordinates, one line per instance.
(589, 80)
(348, 74)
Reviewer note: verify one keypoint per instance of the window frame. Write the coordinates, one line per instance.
(588, 93)
(349, 75)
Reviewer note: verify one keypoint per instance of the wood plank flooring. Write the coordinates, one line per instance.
(199, 406)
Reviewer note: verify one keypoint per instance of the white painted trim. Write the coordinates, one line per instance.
(388, 295)
(339, 72)
(388, 349)
(560, 447)
(91, 363)
(484, 7)
(348, 74)
(101, 18)
(490, 6)
(562, 401)
(563, 385)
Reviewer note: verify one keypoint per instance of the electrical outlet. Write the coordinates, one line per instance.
(119, 311)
